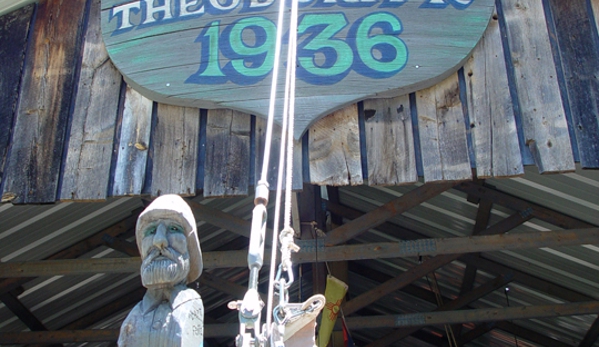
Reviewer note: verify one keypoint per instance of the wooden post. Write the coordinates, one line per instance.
(311, 218)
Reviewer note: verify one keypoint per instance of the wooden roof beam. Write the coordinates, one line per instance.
(527, 280)
(477, 315)
(489, 265)
(471, 335)
(530, 335)
(383, 213)
(23, 313)
(106, 311)
(427, 266)
(96, 335)
(483, 215)
(512, 202)
(445, 248)
(386, 227)
(220, 219)
(354, 323)
(79, 248)
(591, 335)
(455, 304)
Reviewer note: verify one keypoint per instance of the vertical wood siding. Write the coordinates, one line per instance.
(227, 153)
(390, 142)
(542, 112)
(175, 149)
(538, 96)
(335, 149)
(14, 28)
(579, 53)
(490, 108)
(443, 142)
(42, 115)
(133, 145)
(93, 124)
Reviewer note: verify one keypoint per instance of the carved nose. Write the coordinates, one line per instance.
(160, 240)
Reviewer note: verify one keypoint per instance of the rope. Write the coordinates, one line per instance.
(273, 92)
(285, 161)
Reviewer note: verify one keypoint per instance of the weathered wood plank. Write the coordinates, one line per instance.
(579, 52)
(490, 108)
(334, 149)
(136, 125)
(87, 166)
(275, 149)
(44, 105)
(227, 153)
(444, 249)
(260, 136)
(14, 28)
(543, 118)
(474, 315)
(298, 165)
(175, 143)
(390, 141)
(443, 141)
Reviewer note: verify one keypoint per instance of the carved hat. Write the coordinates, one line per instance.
(174, 207)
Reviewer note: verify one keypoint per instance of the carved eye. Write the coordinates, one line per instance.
(150, 230)
(175, 229)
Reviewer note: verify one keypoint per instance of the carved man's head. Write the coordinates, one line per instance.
(167, 238)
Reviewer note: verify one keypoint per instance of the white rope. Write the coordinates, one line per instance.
(286, 142)
(273, 92)
(290, 95)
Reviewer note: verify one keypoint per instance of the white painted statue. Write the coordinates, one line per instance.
(170, 314)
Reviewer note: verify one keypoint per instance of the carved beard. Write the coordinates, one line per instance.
(166, 267)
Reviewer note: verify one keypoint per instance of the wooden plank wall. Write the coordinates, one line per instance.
(72, 130)
(13, 40)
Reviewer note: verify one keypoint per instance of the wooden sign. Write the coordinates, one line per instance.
(220, 53)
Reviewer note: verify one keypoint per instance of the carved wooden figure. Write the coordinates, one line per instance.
(170, 314)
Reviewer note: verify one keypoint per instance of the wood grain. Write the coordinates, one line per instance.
(44, 105)
(334, 149)
(132, 158)
(443, 141)
(579, 52)
(390, 141)
(542, 112)
(175, 143)
(275, 149)
(227, 153)
(89, 155)
(493, 125)
(14, 28)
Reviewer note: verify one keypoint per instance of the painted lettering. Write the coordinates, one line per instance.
(372, 48)
(216, 4)
(458, 4)
(123, 12)
(261, 3)
(186, 8)
(155, 9)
